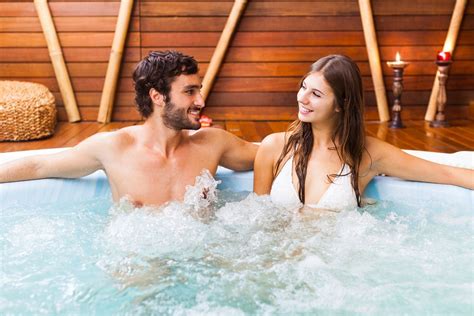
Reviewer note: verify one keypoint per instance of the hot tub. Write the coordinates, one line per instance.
(96, 185)
(67, 250)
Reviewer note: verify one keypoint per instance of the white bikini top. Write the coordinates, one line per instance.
(339, 195)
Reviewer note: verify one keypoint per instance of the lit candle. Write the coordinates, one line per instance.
(398, 63)
(398, 60)
(443, 56)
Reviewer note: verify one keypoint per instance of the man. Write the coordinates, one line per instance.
(150, 163)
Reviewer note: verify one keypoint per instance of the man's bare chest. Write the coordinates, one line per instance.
(155, 180)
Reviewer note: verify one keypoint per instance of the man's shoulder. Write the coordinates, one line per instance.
(128, 133)
(221, 141)
(114, 138)
(210, 133)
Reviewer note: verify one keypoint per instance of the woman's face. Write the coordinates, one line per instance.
(316, 102)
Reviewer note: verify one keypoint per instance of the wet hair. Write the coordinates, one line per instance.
(348, 137)
(158, 70)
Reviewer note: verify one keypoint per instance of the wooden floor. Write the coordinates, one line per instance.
(417, 135)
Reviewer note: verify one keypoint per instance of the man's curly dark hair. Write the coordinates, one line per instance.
(158, 70)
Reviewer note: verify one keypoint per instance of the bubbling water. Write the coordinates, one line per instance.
(242, 256)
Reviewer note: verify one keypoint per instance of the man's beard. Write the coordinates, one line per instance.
(178, 119)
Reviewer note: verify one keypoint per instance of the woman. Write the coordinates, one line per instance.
(325, 160)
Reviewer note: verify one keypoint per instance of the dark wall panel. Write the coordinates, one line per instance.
(274, 45)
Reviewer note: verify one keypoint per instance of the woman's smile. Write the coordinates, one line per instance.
(304, 111)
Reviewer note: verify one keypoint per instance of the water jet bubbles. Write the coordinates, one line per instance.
(200, 198)
(242, 255)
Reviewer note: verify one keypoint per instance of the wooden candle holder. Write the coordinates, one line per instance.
(440, 118)
(397, 88)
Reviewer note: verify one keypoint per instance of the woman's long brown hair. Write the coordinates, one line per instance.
(343, 76)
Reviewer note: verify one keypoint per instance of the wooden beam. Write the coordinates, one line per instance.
(216, 60)
(57, 59)
(449, 44)
(374, 59)
(113, 69)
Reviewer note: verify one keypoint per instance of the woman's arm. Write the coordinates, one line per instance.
(265, 160)
(392, 161)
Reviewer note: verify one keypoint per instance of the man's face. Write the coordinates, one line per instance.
(183, 108)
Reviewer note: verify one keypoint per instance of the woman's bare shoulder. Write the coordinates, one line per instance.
(377, 146)
(371, 141)
(275, 139)
(274, 142)
(379, 150)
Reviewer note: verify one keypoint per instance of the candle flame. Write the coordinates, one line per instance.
(397, 57)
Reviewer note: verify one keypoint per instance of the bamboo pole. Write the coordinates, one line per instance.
(449, 44)
(374, 59)
(57, 60)
(221, 48)
(113, 68)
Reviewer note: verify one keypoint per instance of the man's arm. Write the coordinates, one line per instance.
(76, 162)
(237, 153)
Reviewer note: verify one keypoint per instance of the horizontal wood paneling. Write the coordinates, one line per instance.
(305, 23)
(76, 54)
(310, 54)
(238, 84)
(257, 99)
(76, 70)
(242, 70)
(310, 8)
(267, 113)
(64, 8)
(300, 38)
(275, 43)
(76, 39)
(65, 24)
(289, 113)
(297, 55)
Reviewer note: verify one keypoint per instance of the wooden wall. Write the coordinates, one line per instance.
(274, 46)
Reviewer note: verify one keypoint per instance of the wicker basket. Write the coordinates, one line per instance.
(27, 111)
